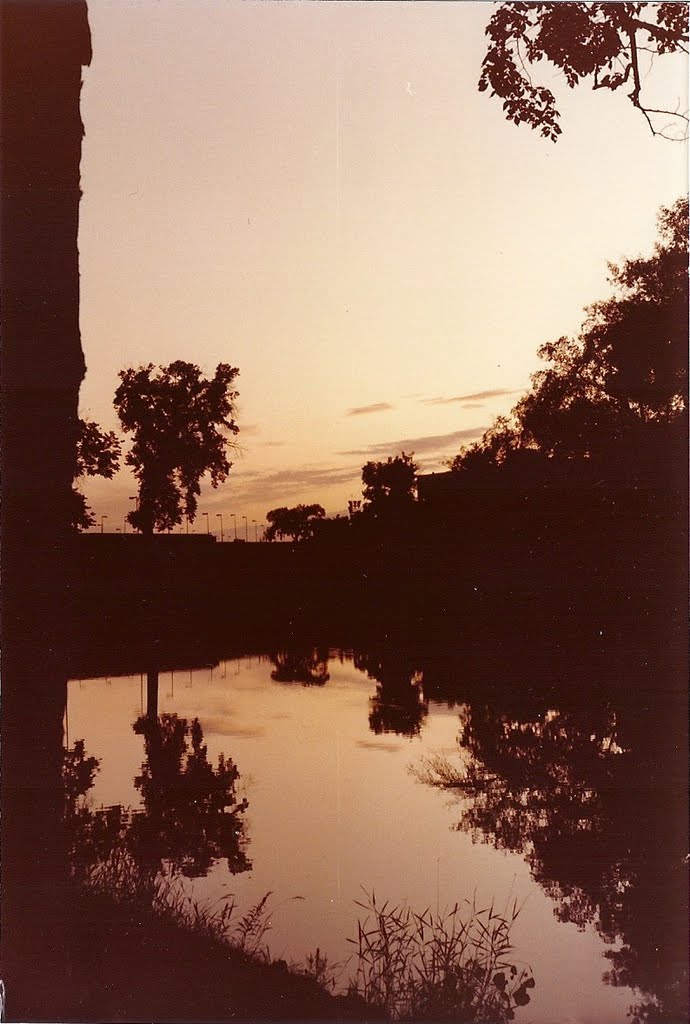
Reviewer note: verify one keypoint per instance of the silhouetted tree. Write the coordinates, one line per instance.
(639, 337)
(98, 454)
(181, 424)
(616, 395)
(298, 522)
(389, 486)
(602, 42)
(332, 531)
(310, 668)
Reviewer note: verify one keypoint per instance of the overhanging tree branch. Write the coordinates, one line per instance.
(596, 41)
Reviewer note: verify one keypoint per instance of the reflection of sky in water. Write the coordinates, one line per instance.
(332, 808)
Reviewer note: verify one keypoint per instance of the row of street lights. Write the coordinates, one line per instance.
(219, 515)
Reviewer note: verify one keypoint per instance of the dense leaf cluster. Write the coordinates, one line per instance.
(389, 485)
(98, 454)
(602, 42)
(182, 424)
(611, 404)
(98, 451)
(297, 523)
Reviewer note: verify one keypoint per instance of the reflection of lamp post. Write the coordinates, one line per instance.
(102, 518)
(208, 524)
(219, 515)
(246, 536)
(235, 523)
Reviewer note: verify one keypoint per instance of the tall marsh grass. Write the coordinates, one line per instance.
(457, 964)
(453, 965)
(120, 878)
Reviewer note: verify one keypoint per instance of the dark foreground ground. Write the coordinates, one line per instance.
(129, 964)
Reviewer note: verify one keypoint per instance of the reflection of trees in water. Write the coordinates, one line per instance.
(306, 666)
(191, 816)
(586, 798)
(398, 705)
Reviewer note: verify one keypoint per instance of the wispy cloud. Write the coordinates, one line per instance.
(476, 396)
(419, 445)
(286, 486)
(364, 410)
(273, 444)
(281, 484)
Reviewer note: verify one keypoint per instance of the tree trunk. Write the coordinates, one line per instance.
(45, 45)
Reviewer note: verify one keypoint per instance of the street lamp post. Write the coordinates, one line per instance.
(235, 523)
(208, 525)
(246, 535)
(102, 519)
(219, 515)
(134, 498)
(256, 531)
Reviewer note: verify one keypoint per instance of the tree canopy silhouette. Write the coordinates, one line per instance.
(615, 397)
(602, 42)
(389, 485)
(182, 426)
(297, 522)
(98, 454)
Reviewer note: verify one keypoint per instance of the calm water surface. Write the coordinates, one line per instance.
(334, 809)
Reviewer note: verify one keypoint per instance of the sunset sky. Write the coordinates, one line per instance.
(317, 194)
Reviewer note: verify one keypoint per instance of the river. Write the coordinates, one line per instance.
(332, 750)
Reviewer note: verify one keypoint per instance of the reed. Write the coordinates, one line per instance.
(452, 965)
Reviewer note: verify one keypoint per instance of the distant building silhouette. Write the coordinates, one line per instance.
(438, 487)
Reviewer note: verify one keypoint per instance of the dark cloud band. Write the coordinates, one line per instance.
(364, 410)
(419, 445)
(477, 396)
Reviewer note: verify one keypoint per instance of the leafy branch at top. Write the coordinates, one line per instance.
(597, 41)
